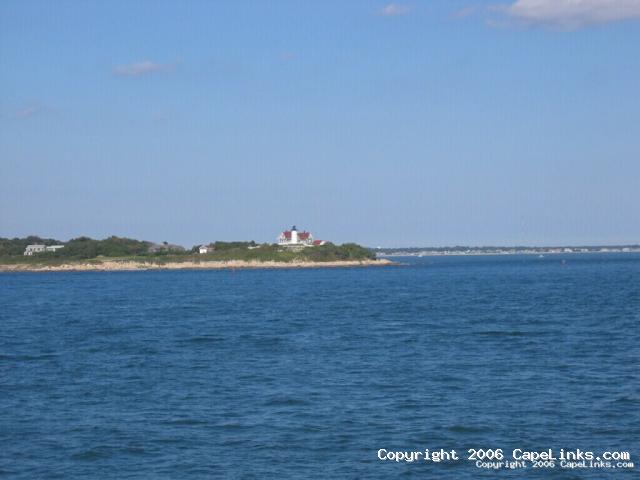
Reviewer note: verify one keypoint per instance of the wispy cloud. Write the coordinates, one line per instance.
(394, 10)
(466, 11)
(142, 68)
(572, 14)
(28, 112)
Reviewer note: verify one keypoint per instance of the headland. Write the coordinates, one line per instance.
(36, 254)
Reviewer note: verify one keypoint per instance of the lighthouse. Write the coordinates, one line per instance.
(295, 238)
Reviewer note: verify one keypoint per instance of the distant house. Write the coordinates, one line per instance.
(31, 249)
(294, 238)
(164, 247)
(202, 249)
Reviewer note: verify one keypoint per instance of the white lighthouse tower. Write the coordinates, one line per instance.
(294, 238)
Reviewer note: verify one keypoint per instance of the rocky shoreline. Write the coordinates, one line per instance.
(128, 266)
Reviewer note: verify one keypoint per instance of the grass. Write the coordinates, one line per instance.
(265, 253)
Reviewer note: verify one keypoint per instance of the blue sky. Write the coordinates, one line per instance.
(392, 124)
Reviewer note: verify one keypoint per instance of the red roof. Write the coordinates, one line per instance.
(301, 235)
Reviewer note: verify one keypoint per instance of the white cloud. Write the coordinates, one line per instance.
(466, 11)
(573, 13)
(393, 10)
(141, 68)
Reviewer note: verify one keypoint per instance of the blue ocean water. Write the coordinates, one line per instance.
(273, 374)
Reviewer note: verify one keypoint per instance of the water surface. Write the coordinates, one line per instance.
(307, 373)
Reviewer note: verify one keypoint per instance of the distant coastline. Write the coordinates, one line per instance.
(294, 250)
(459, 251)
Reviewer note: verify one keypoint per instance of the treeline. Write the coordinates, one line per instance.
(82, 248)
(250, 251)
(85, 247)
(226, 246)
(330, 252)
(16, 246)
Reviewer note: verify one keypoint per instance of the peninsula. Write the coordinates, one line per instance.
(116, 253)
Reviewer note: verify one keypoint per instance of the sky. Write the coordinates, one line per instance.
(418, 123)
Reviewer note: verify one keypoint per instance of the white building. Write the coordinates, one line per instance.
(294, 238)
(204, 249)
(31, 249)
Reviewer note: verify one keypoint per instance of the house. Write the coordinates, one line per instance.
(31, 249)
(294, 238)
(202, 249)
(165, 247)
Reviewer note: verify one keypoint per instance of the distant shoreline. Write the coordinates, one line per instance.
(477, 253)
(130, 266)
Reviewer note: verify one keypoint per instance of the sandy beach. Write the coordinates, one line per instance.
(114, 265)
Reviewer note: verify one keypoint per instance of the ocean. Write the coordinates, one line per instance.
(272, 374)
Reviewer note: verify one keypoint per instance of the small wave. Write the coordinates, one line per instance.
(500, 333)
(23, 358)
(186, 422)
(92, 453)
(626, 400)
(229, 426)
(467, 429)
(134, 450)
(286, 402)
(170, 440)
(203, 339)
